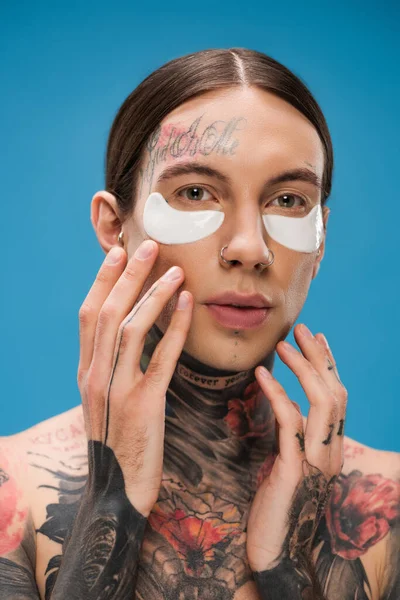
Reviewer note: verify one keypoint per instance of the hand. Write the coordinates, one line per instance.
(289, 503)
(124, 408)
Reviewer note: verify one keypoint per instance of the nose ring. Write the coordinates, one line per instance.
(268, 264)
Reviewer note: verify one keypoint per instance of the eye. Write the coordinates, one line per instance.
(194, 193)
(288, 201)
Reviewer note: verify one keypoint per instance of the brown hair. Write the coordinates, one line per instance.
(186, 77)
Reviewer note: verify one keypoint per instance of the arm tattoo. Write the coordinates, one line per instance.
(102, 551)
(292, 575)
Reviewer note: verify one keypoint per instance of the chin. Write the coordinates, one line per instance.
(226, 350)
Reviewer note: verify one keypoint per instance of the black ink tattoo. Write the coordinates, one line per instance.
(16, 581)
(331, 367)
(292, 575)
(3, 477)
(173, 142)
(102, 550)
(327, 441)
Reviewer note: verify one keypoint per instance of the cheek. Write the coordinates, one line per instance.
(296, 280)
(189, 259)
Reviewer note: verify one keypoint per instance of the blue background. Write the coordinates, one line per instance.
(65, 72)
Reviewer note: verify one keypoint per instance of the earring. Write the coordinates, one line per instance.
(121, 235)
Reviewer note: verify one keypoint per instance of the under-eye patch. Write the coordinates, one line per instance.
(169, 225)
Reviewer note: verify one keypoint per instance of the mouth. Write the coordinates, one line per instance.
(237, 316)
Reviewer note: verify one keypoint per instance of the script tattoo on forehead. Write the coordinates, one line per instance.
(173, 141)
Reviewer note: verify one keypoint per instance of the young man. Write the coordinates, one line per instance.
(240, 497)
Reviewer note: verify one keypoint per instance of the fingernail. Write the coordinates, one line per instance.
(265, 373)
(183, 302)
(288, 347)
(113, 256)
(145, 250)
(172, 274)
(305, 331)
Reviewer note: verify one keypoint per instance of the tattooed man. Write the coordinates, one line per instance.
(187, 473)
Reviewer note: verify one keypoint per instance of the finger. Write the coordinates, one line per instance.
(332, 366)
(164, 358)
(132, 334)
(320, 355)
(116, 307)
(339, 438)
(322, 420)
(316, 354)
(89, 311)
(290, 422)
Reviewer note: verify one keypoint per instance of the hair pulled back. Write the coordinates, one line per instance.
(184, 78)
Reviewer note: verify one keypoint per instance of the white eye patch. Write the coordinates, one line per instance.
(303, 234)
(168, 225)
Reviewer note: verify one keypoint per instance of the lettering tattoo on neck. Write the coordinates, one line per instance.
(174, 141)
(209, 382)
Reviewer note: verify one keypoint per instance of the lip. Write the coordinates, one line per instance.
(238, 318)
(248, 300)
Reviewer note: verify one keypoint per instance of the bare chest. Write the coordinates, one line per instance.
(194, 547)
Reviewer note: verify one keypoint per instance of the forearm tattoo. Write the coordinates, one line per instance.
(102, 552)
(292, 575)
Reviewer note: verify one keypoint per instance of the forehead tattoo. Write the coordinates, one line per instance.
(198, 139)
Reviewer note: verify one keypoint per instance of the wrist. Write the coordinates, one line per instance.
(288, 580)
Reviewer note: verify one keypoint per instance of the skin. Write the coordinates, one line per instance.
(270, 137)
(221, 446)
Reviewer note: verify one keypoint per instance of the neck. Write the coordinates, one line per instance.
(219, 424)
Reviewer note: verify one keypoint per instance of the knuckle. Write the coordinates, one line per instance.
(155, 372)
(107, 313)
(343, 393)
(131, 327)
(80, 377)
(102, 276)
(124, 340)
(86, 314)
(131, 272)
(92, 387)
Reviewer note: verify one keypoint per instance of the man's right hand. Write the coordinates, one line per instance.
(124, 409)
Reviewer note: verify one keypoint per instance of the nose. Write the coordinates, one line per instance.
(247, 246)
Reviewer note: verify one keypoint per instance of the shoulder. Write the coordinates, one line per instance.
(361, 535)
(59, 434)
(28, 459)
(31, 463)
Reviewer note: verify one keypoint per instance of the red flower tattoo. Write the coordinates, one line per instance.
(361, 512)
(199, 528)
(13, 509)
(249, 416)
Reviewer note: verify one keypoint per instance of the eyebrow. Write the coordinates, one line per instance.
(300, 174)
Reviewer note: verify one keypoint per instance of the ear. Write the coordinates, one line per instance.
(104, 215)
(325, 216)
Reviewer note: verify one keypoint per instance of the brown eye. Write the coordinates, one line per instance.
(287, 201)
(194, 193)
